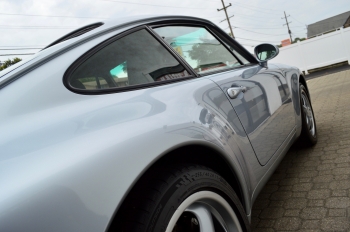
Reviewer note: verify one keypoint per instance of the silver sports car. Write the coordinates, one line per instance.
(145, 124)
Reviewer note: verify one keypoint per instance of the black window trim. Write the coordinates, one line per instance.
(112, 39)
(214, 33)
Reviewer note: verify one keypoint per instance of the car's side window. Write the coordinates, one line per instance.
(137, 58)
(198, 47)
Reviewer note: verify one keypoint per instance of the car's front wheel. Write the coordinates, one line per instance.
(187, 199)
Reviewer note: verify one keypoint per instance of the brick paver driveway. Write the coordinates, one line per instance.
(310, 190)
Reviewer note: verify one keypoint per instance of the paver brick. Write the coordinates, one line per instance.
(295, 203)
(292, 213)
(315, 203)
(276, 204)
(324, 178)
(272, 213)
(338, 202)
(319, 194)
(306, 174)
(313, 213)
(335, 224)
(266, 223)
(285, 188)
(289, 181)
(341, 171)
(302, 187)
(321, 185)
(343, 184)
(311, 224)
(299, 194)
(287, 223)
(337, 212)
(339, 193)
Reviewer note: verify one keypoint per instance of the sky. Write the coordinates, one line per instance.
(28, 25)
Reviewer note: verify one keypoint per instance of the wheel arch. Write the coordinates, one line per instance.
(203, 154)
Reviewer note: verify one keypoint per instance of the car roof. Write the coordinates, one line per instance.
(119, 23)
(106, 27)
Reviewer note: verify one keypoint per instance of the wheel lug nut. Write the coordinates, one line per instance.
(194, 221)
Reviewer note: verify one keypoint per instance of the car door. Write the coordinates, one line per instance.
(263, 100)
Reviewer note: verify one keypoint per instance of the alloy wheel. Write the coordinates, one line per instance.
(204, 211)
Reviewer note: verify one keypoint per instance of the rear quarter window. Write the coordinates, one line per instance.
(133, 60)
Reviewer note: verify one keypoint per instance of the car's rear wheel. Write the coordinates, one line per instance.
(308, 135)
(187, 199)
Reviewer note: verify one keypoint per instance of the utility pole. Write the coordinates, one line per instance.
(287, 23)
(307, 31)
(227, 18)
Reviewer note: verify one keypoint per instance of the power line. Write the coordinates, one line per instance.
(268, 35)
(246, 7)
(266, 22)
(36, 27)
(136, 3)
(252, 16)
(258, 32)
(15, 46)
(243, 17)
(262, 28)
(257, 7)
(52, 16)
(31, 28)
(5, 49)
(298, 20)
(257, 40)
(249, 45)
(7, 25)
(24, 54)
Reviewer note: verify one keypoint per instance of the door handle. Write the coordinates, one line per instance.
(234, 91)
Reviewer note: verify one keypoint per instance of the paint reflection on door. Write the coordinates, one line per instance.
(265, 109)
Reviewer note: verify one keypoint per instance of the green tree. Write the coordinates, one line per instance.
(298, 39)
(209, 52)
(9, 62)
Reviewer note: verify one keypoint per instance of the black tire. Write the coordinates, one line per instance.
(308, 135)
(151, 206)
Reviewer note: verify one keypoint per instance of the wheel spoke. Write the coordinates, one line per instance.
(204, 217)
(307, 121)
(308, 114)
(305, 108)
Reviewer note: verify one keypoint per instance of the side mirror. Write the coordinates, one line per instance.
(265, 52)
